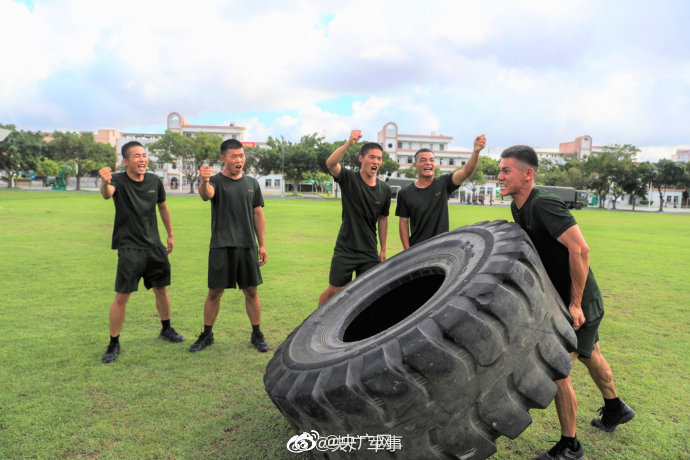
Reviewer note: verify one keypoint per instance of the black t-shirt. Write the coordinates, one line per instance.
(136, 225)
(362, 206)
(545, 217)
(427, 208)
(232, 211)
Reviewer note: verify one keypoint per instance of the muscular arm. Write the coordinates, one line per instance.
(461, 175)
(260, 228)
(578, 260)
(167, 222)
(404, 228)
(383, 235)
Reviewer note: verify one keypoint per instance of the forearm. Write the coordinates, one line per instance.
(336, 157)
(404, 230)
(383, 232)
(165, 217)
(205, 190)
(106, 190)
(260, 227)
(579, 269)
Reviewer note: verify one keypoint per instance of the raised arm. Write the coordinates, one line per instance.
(461, 175)
(578, 259)
(333, 161)
(107, 190)
(206, 190)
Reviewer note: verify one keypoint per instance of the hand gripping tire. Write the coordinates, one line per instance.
(446, 345)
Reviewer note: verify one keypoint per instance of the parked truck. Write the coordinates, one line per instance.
(573, 198)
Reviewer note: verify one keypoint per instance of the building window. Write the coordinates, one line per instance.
(268, 182)
(234, 136)
(431, 146)
(441, 147)
(276, 182)
(463, 163)
(451, 161)
(399, 144)
(410, 159)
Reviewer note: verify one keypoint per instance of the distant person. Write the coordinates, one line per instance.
(366, 202)
(565, 256)
(423, 205)
(237, 222)
(140, 252)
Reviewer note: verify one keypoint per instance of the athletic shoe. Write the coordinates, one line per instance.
(611, 419)
(202, 342)
(561, 451)
(111, 353)
(170, 335)
(259, 342)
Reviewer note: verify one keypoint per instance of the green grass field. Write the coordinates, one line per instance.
(57, 400)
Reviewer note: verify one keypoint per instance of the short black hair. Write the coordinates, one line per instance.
(421, 151)
(523, 153)
(230, 144)
(370, 146)
(129, 145)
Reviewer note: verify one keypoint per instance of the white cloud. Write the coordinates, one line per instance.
(537, 72)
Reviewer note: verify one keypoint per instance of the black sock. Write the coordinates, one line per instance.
(256, 330)
(613, 404)
(165, 323)
(114, 340)
(570, 442)
(208, 329)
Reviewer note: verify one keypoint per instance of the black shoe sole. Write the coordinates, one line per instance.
(610, 428)
(168, 339)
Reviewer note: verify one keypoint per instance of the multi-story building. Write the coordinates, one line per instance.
(681, 155)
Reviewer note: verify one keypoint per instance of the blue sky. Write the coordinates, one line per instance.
(530, 72)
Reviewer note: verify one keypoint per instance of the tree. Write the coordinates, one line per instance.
(488, 166)
(82, 153)
(606, 169)
(188, 153)
(668, 174)
(20, 151)
(635, 179)
(47, 167)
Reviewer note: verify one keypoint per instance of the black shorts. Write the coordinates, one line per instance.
(132, 264)
(588, 334)
(345, 262)
(229, 266)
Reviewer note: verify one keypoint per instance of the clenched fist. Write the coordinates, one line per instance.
(355, 136)
(106, 174)
(205, 173)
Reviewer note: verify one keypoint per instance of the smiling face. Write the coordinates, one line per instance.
(136, 161)
(371, 162)
(234, 161)
(425, 164)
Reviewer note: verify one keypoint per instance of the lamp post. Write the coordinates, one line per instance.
(282, 167)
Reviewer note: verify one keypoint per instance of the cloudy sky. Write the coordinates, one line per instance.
(529, 72)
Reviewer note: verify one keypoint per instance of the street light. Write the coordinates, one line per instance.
(282, 167)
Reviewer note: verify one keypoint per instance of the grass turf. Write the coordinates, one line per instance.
(57, 400)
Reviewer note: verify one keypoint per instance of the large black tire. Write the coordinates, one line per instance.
(446, 345)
